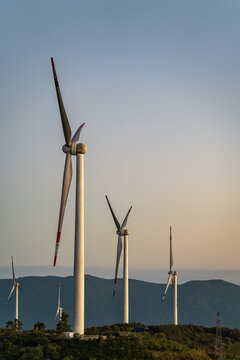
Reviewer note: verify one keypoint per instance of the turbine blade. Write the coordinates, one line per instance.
(119, 250)
(13, 273)
(67, 177)
(65, 123)
(57, 313)
(171, 253)
(12, 290)
(168, 283)
(113, 215)
(126, 219)
(77, 134)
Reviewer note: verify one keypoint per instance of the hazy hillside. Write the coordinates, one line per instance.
(198, 302)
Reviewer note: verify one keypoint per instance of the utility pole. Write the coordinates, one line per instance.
(218, 344)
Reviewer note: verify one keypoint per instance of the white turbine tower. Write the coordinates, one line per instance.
(122, 232)
(15, 286)
(172, 278)
(59, 308)
(73, 148)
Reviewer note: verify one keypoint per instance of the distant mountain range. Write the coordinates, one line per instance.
(150, 275)
(198, 302)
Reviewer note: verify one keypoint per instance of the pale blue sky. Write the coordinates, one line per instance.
(158, 85)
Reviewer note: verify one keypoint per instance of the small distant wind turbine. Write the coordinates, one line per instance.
(15, 286)
(59, 309)
(73, 148)
(172, 278)
(122, 232)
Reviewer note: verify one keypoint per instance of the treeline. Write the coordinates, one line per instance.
(120, 342)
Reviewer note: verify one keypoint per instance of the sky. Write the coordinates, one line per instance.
(158, 85)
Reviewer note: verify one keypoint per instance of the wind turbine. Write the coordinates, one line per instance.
(73, 148)
(59, 309)
(122, 232)
(15, 286)
(172, 278)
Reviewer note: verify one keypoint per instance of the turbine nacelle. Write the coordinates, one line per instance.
(122, 232)
(74, 149)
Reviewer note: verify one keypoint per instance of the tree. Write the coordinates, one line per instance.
(63, 324)
(14, 325)
(39, 326)
(33, 353)
(10, 324)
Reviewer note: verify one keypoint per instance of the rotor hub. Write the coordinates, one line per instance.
(73, 149)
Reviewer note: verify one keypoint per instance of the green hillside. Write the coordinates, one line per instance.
(198, 302)
(184, 342)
